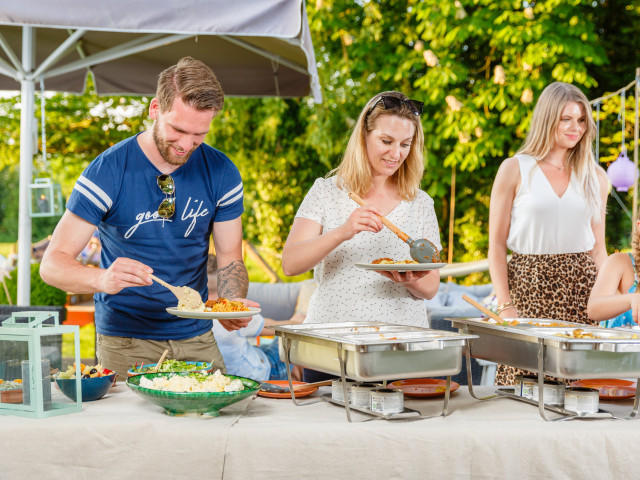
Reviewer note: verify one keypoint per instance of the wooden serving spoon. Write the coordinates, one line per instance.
(157, 367)
(185, 295)
(421, 250)
(484, 309)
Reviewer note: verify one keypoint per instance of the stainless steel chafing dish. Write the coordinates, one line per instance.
(373, 351)
(609, 353)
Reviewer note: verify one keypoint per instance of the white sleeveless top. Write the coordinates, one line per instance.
(542, 222)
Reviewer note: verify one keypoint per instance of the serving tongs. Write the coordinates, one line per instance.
(421, 250)
(272, 388)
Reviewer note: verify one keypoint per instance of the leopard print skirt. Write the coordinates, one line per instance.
(549, 286)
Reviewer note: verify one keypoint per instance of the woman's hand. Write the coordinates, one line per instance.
(404, 278)
(421, 284)
(510, 312)
(363, 219)
(635, 307)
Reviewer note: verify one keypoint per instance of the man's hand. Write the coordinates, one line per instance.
(123, 273)
(232, 324)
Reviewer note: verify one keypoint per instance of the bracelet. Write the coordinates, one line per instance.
(505, 306)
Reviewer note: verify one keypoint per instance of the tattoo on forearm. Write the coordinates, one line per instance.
(233, 280)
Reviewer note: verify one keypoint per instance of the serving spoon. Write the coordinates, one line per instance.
(272, 388)
(157, 367)
(484, 309)
(421, 250)
(186, 296)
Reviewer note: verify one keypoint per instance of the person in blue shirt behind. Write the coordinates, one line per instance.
(614, 300)
(156, 198)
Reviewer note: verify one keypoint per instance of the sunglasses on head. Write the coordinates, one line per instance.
(167, 207)
(389, 102)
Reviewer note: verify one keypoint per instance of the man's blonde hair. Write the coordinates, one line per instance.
(542, 136)
(193, 82)
(354, 172)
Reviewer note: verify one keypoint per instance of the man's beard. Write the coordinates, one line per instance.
(165, 149)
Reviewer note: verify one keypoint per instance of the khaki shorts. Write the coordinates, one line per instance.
(121, 353)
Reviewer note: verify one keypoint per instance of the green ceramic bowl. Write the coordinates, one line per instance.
(188, 403)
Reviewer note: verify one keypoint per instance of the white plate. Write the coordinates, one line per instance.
(401, 267)
(213, 315)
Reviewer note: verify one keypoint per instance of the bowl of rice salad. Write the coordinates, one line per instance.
(192, 393)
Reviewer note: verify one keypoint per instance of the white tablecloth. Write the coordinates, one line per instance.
(124, 436)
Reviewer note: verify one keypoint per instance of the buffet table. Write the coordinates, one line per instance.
(124, 436)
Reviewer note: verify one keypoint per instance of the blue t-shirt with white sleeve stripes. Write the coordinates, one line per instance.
(118, 192)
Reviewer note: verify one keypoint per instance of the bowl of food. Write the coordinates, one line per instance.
(95, 382)
(192, 393)
(170, 366)
(11, 391)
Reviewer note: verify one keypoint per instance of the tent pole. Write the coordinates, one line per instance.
(26, 166)
(452, 212)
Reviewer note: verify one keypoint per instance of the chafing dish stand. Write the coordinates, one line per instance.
(419, 342)
(542, 346)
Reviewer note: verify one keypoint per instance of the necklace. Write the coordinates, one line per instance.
(554, 166)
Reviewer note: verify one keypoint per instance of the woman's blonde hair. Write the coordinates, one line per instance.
(542, 136)
(354, 171)
(635, 250)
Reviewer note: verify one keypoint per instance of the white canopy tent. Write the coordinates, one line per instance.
(256, 48)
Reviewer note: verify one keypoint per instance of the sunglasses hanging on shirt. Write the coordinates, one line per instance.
(167, 207)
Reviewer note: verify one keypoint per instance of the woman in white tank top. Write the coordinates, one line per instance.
(548, 207)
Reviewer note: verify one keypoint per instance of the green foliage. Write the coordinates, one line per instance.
(41, 293)
(479, 66)
(77, 129)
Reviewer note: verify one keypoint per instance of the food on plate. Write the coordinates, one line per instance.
(224, 305)
(580, 333)
(195, 382)
(172, 366)
(86, 371)
(391, 261)
(515, 323)
(577, 333)
(508, 323)
(552, 324)
(190, 301)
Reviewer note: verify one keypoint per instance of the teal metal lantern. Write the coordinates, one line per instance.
(45, 199)
(30, 346)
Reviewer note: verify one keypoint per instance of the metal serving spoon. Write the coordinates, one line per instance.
(421, 250)
(186, 296)
(272, 388)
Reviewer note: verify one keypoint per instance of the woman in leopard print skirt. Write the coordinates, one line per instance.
(547, 206)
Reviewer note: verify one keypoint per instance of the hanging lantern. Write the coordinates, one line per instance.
(622, 172)
(45, 199)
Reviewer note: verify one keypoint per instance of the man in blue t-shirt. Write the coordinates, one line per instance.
(156, 199)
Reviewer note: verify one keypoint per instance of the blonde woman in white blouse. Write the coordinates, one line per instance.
(548, 207)
(383, 164)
